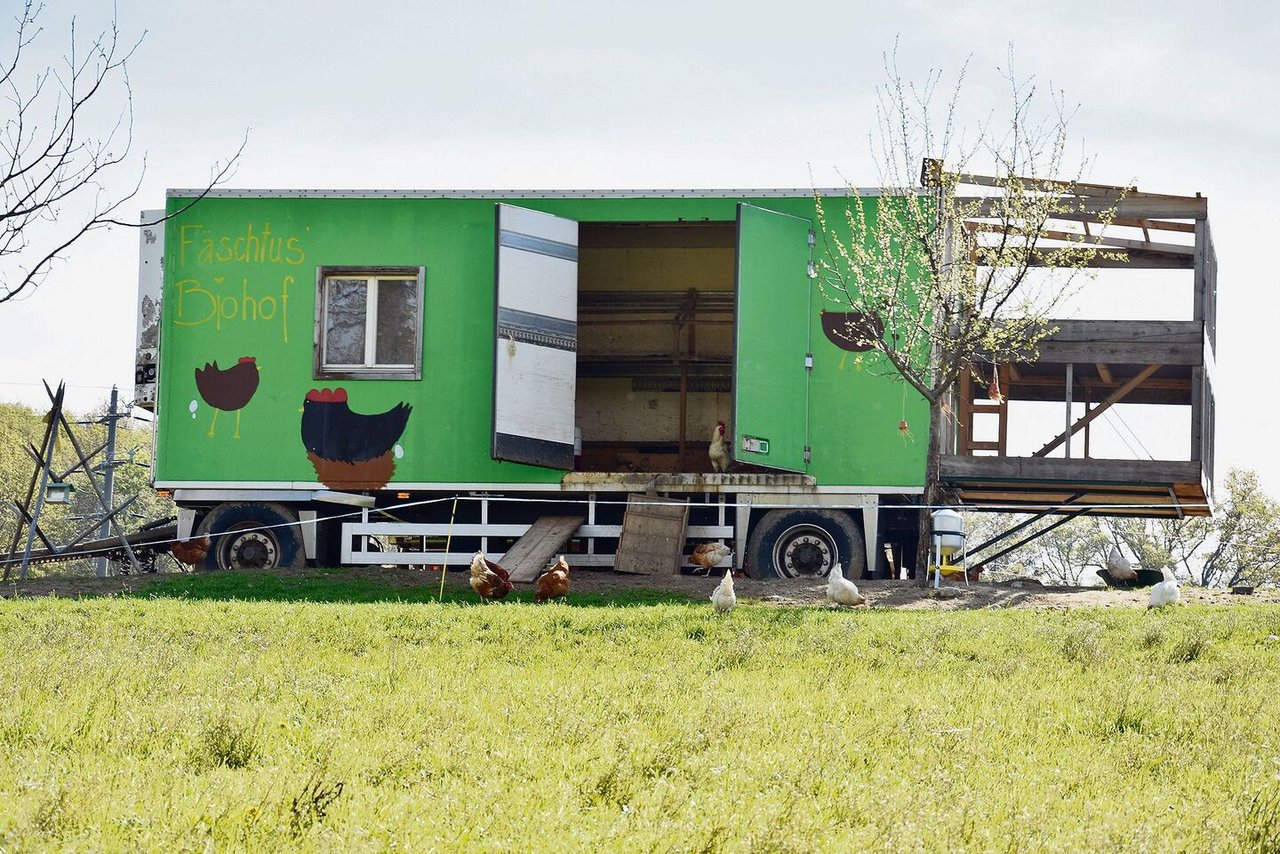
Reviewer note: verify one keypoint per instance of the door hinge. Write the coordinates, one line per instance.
(808, 361)
(811, 271)
(808, 454)
(813, 238)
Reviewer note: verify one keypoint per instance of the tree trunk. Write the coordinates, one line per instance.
(931, 497)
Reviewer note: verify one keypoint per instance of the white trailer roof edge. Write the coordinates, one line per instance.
(228, 193)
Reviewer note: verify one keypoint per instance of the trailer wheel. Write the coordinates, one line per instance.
(805, 544)
(252, 536)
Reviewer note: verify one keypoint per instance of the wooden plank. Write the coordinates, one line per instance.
(546, 537)
(652, 538)
(1064, 472)
(1183, 331)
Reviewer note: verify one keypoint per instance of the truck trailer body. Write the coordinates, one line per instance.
(350, 377)
(332, 369)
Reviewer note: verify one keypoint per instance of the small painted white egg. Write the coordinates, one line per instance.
(193, 407)
(399, 451)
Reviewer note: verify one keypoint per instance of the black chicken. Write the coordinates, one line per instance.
(347, 449)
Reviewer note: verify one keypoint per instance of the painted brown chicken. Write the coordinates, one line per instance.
(190, 552)
(228, 390)
(488, 579)
(554, 583)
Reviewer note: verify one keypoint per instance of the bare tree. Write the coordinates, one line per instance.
(935, 282)
(66, 134)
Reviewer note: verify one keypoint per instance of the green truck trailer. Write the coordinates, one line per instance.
(349, 377)
(334, 364)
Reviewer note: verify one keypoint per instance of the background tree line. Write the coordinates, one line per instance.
(21, 426)
(1238, 545)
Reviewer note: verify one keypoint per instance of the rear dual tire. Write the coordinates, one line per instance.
(252, 535)
(805, 543)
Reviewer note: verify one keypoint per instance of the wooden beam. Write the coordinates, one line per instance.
(1128, 222)
(1099, 240)
(1104, 372)
(1045, 473)
(1115, 259)
(1113, 398)
(1077, 187)
(1133, 207)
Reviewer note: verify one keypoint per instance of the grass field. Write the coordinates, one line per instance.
(190, 723)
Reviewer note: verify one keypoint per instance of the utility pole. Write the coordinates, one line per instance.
(108, 478)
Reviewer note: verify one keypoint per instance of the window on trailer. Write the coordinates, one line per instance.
(370, 322)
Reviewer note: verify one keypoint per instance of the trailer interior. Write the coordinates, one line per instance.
(656, 347)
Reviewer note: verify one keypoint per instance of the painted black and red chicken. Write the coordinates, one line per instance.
(227, 390)
(347, 449)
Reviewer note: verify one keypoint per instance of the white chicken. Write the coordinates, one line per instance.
(723, 598)
(1166, 592)
(1118, 566)
(841, 590)
(709, 555)
(719, 449)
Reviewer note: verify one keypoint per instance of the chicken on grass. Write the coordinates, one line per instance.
(489, 579)
(723, 598)
(1166, 592)
(554, 583)
(841, 590)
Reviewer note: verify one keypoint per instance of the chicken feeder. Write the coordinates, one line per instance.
(948, 538)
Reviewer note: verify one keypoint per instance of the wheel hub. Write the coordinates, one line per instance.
(253, 550)
(805, 550)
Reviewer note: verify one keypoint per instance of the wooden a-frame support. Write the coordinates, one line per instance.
(28, 512)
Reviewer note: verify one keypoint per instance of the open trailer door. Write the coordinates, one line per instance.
(771, 341)
(535, 363)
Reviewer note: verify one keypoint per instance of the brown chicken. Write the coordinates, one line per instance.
(554, 583)
(190, 552)
(488, 579)
(708, 556)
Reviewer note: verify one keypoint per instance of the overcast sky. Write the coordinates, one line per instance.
(1176, 97)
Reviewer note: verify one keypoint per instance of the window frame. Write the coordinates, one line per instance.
(370, 370)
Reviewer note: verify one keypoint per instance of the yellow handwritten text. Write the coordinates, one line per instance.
(255, 246)
(220, 304)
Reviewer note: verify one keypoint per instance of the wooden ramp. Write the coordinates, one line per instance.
(652, 539)
(545, 538)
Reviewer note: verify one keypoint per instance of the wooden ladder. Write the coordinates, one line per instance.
(971, 405)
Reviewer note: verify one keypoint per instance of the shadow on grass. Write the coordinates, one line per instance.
(333, 586)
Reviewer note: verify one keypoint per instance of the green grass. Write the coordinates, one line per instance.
(184, 724)
(336, 585)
